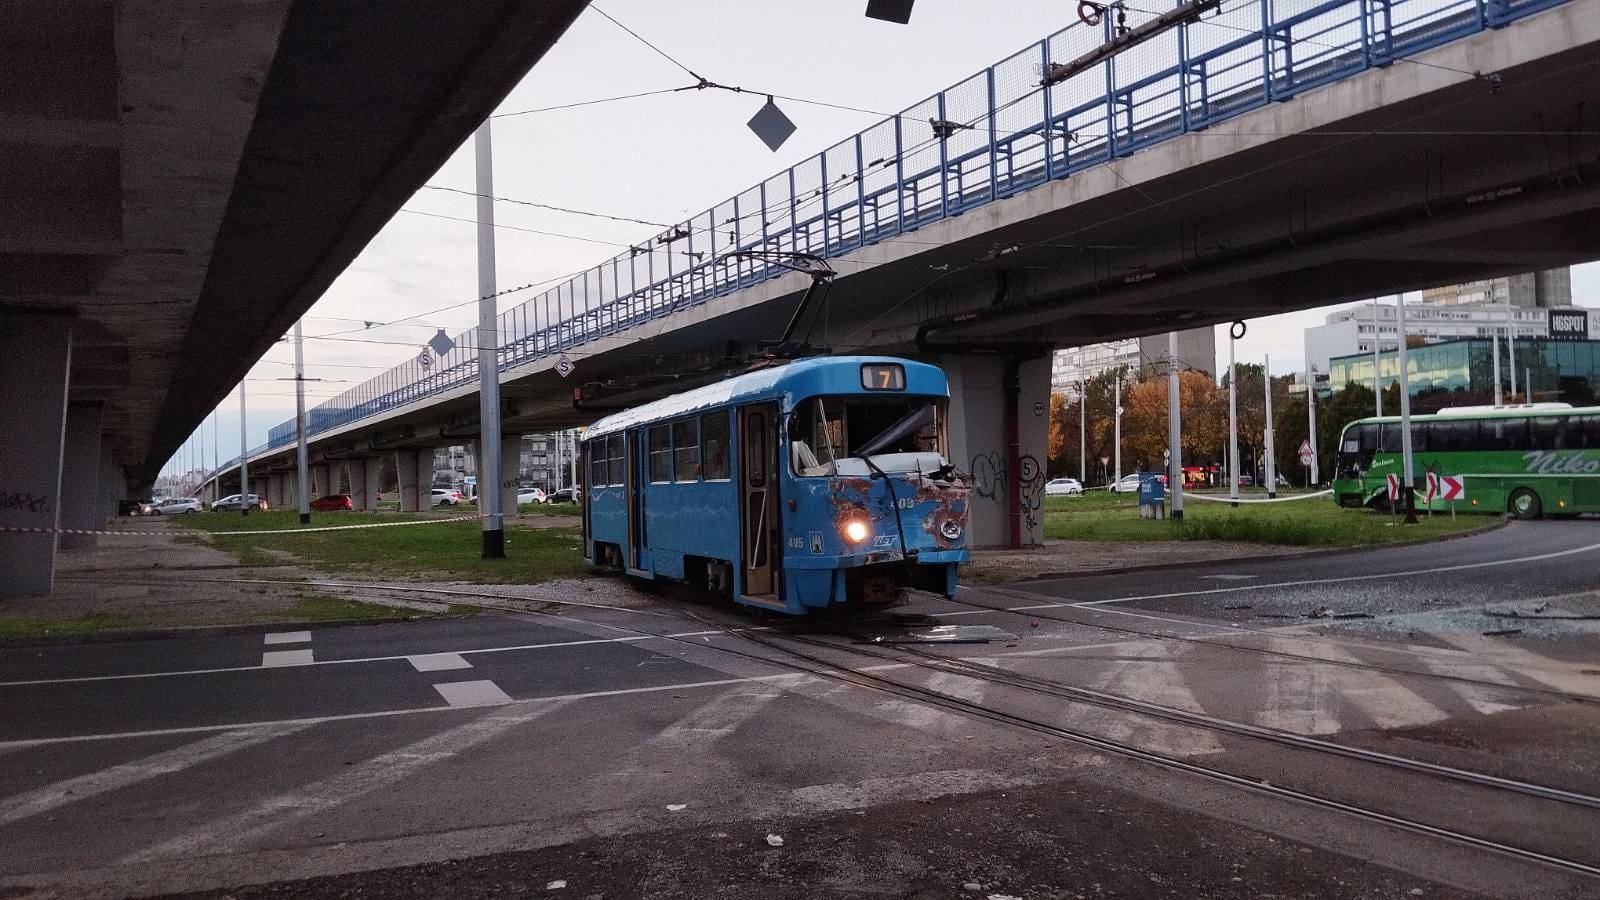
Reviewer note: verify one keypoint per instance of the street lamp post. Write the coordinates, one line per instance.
(494, 536)
(1233, 421)
(1271, 464)
(1377, 381)
(1116, 428)
(302, 474)
(1311, 413)
(244, 462)
(1409, 493)
(1083, 431)
(1174, 429)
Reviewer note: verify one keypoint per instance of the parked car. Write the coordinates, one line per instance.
(173, 506)
(566, 495)
(1130, 484)
(1057, 487)
(332, 503)
(134, 508)
(231, 503)
(445, 497)
(530, 495)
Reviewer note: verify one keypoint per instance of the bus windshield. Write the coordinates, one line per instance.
(901, 434)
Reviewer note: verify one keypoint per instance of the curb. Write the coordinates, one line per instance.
(114, 636)
(1265, 557)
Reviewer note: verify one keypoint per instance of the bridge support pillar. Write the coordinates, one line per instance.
(365, 481)
(113, 485)
(999, 418)
(320, 486)
(80, 475)
(413, 485)
(35, 349)
(276, 495)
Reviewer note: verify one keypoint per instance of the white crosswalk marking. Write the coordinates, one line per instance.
(1297, 696)
(51, 796)
(472, 693)
(438, 662)
(1147, 671)
(1536, 666)
(274, 658)
(1485, 700)
(720, 716)
(287, 637)
(238, 831)
(1382, 699)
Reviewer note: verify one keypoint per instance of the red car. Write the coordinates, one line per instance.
(332, 503)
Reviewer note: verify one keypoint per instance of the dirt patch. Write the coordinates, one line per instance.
(1073, 841)
(1075, 557)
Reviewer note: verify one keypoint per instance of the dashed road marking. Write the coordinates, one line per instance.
(472, 693)
(287, 637)
(49, 797)
(277, 658)
(437, 662)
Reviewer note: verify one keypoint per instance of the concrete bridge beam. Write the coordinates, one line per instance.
(999, 417)
(414, 484)
(80, 475)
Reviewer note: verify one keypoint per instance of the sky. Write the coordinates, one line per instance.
(659, 158)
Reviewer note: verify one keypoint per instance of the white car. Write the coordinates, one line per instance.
(173, 506)
(1057, 487)
(531, 495)
(445, 497)
(231, 503)
(1130, 484)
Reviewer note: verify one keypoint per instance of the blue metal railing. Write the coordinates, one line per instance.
(897, 176)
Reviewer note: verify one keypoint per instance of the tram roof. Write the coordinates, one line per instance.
(817, 376)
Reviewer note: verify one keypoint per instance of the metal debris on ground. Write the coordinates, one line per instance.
(1539, 613)
(1240, 606)
(555, 885)
(1502, 632)
(942, 634)
(1354, 615)
(774, 840)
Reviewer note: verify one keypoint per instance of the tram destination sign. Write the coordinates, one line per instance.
(1569, 324)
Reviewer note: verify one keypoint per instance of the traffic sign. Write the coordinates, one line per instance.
(441, 343)
(1432, 488)
(425, 359)
(1305, 452)
(564, 366)
(1394, 486)
(1452, 487)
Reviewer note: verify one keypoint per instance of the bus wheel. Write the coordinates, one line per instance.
(1524, 504)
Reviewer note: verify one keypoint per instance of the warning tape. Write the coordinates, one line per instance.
(1190, 496)
(14, 530)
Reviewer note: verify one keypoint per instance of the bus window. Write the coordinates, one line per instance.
(1454, 436)
(616, 468)
(685, 450)
(660, 454)
(1421, 437)
(1584, 433)
(1547, 433)
(1503, 434)
(714, 444)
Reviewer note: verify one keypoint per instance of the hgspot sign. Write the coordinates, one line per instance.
(1569, 324)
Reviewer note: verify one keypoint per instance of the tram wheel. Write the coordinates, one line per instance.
(1524, 504)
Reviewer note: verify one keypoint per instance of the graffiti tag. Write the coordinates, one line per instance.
(988, 475)
(1030, 478)
(24, 501)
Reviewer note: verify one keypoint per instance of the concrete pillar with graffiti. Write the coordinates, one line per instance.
(1008, 483)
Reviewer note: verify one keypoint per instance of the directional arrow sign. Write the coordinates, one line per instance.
(1432, 488)
(1452, 487)
(1393, 482)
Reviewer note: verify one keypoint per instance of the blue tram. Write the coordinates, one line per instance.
(793, 488)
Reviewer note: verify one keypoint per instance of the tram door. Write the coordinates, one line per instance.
(758, 496)
(633, 488)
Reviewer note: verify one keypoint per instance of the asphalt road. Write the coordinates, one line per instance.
(207, 762)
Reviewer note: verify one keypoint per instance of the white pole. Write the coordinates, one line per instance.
(572, 461)
(1233, 424)
(244, 464)
(1174, 429)
(1083, 432)
(302, 473)
(1311, 412)
(1494, 342)
(1271, 466)
(1527, 384)
(494, 536)
(1377, 382)
(1409, 494)
(1116, 428)
(1511, 349)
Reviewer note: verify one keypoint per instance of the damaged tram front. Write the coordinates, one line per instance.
(824, 481)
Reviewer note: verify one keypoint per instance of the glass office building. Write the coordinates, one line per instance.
(1461, 373)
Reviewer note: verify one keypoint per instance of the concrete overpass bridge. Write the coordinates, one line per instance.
(1262, 159)
(182, 180)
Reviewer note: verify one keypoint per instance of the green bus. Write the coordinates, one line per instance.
(1531, 460)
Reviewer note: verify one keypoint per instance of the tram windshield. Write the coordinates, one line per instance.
(829, 435)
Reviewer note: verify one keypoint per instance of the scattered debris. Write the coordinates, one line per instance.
(1003, 897)
(1275, 616)
(675, 807)
(942, 634)
(1356, 615)
(1240, 606)
(774, 840)
(1502, 632)
(555, 885)
(1537, 613)
(1321, 612)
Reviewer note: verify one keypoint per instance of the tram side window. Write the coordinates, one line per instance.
(714, 444)
(618, 458)
(598, 464)
(660, 454)
(685, 450)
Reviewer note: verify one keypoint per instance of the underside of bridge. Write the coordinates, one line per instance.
(1477, 158)
(183, 179)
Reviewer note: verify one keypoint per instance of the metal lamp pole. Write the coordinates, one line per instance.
(1233, 424)
(1271, 466)
(1116, 428)
(244, 462)
(1174, 429)
(1511, 349)
(1409, 494)
(302, 473)
(494, 536)
(1083, 431)
(1377, 382)
(1311, 412)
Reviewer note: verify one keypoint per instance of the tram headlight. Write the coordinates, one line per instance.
(854, 530)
